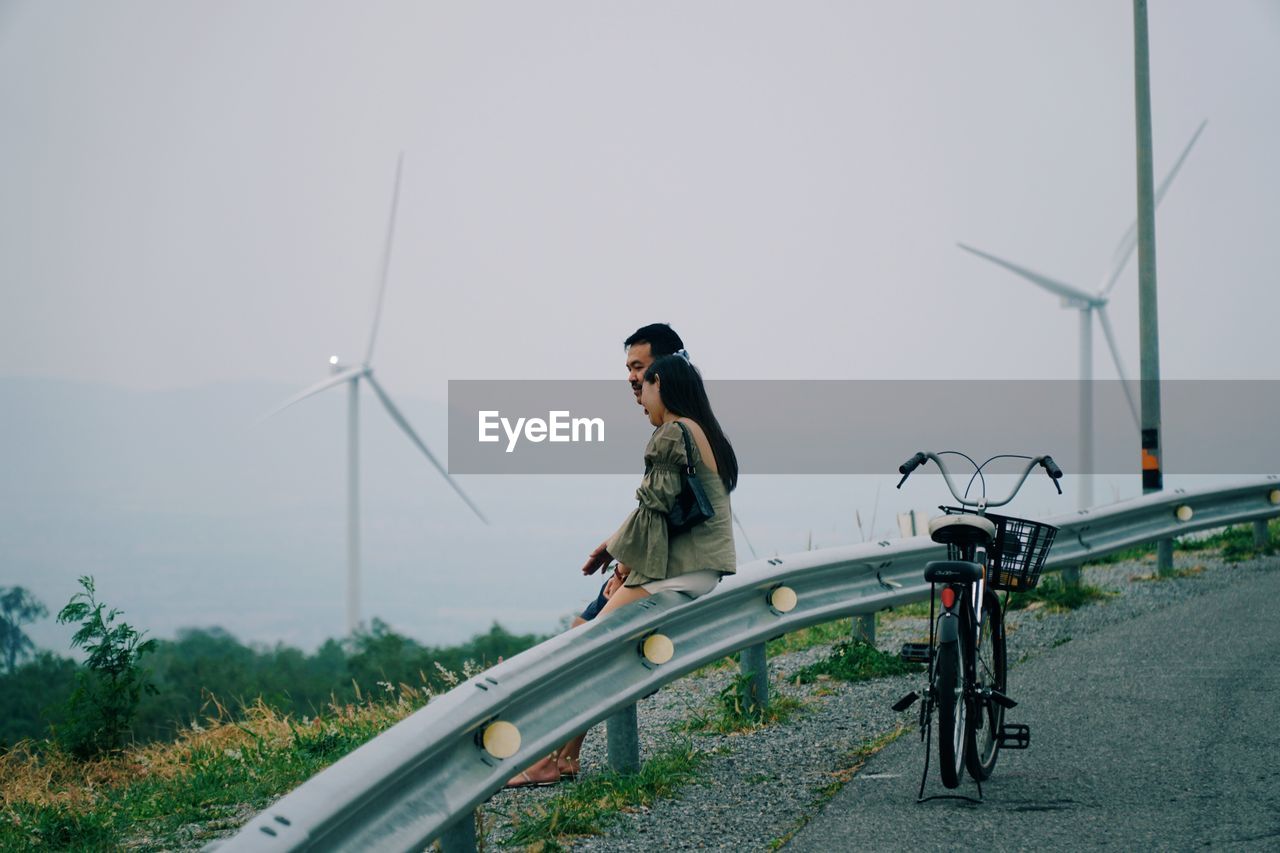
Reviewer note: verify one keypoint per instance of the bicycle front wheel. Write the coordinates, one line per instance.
(948, 684)
(983, 747)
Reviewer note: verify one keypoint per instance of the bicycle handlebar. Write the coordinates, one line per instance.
(912, 463)
(1051, 468)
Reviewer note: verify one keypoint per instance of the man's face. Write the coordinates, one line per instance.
(639, 357)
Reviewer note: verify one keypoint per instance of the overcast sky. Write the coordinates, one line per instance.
(195, 193)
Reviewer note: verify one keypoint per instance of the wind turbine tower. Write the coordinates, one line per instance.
(352, 375)
(1088, 304)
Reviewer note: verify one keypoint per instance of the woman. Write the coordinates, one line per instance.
(652, 561)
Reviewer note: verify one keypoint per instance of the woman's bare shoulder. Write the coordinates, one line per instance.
(704, 445)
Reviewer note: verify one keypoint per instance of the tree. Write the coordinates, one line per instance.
(111, 684)
(17, 608)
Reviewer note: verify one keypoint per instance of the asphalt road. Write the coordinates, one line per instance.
(1160, 732)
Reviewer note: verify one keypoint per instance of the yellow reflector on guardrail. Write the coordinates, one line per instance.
(657, 648)
(501, 739)
(783, 599)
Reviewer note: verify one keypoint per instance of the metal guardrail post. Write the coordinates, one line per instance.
(1071, 577)
(1164, 556)
(754, 663)
(461, 836)
(864, 628)
(1261, 536)
(624, 740)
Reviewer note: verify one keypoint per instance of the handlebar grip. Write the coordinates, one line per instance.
(1051, 467)
(912, 464)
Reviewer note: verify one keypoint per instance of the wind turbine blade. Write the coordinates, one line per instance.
(1130, 240)
(1115, 355)
(1173, 173)
(743, 531)
(1052, 285)
(386, 259)
(336, 379)
(413, 436)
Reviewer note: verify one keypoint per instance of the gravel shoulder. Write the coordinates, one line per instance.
(759, 788)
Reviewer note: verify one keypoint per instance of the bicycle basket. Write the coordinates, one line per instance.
(1019, 552)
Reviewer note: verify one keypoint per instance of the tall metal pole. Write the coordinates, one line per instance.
(1071, 574)
(353, 508)
(1086, 408)
(1148, 317)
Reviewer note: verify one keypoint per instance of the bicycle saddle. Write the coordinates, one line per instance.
(962, 529)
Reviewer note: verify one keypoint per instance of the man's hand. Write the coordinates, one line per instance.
(597, 560)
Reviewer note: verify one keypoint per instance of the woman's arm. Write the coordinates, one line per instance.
(641, 542)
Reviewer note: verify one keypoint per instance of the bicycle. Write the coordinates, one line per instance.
(967, 680)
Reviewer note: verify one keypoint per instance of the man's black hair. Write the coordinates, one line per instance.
(661, 338)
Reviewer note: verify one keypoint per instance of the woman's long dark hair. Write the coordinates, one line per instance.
(682, 391)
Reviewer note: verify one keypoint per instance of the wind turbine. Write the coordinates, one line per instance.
(1087, 303)
(352, 374)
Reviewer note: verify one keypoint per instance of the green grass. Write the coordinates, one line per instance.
(823, 634)
(1235, 544)
(914, 610)
(163, 796)
(854, 660)
(1056, 596)
(732, 713)
(1136, 554)
(589, 806)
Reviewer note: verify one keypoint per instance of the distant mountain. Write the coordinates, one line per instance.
(191, 513)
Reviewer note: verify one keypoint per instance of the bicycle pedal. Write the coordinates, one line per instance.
(916, 652)
(905, 702)
(1014, 736)
(1000, 699)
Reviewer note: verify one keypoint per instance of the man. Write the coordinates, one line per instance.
(644, 347)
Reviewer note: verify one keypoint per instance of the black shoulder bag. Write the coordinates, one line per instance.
(692, 507)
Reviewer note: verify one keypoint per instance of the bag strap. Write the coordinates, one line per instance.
(688, 448)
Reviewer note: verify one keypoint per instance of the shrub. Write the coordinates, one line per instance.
(855, 660)
(112, 681)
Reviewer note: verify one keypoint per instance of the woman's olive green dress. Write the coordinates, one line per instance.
(642, 542)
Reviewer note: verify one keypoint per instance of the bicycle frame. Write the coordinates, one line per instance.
(965, 687)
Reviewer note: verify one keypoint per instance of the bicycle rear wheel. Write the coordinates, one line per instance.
(983, 746)
(948, 684)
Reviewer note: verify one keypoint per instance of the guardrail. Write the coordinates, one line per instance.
(422, 779)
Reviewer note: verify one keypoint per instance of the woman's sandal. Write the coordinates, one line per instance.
(530, 782)
(570, 775)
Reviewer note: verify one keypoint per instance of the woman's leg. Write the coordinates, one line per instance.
(566, 758)
(568, 754)
(624, 596)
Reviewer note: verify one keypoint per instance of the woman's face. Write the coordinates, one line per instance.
(651, 399)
